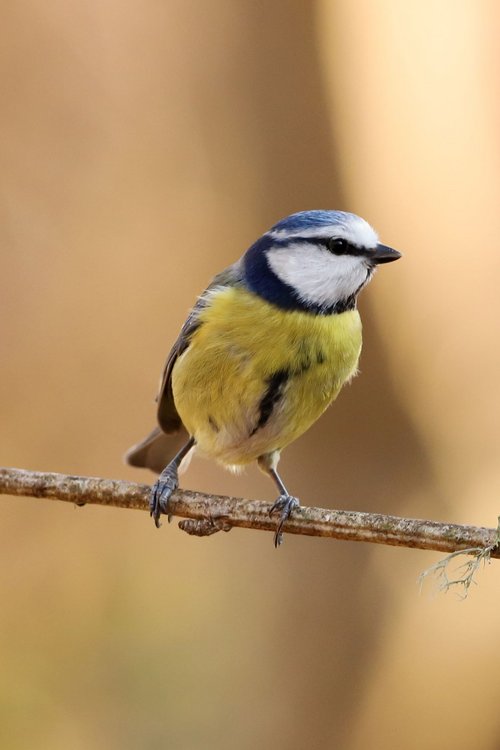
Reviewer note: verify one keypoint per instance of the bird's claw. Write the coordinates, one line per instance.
(284, 505)
(160, 495)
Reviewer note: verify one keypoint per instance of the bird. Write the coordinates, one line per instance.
(264, 351)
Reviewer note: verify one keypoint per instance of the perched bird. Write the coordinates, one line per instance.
(264, 351)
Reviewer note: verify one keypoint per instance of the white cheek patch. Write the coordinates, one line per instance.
(318, 276)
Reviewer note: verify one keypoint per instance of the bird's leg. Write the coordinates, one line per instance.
(285, 503)
(167, 482)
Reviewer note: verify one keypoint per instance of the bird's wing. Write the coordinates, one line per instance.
(168, 417)
(161, 445)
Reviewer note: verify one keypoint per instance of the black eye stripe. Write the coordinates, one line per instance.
(335, 245)
(339, 246)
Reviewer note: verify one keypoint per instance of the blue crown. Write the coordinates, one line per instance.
(311, 219)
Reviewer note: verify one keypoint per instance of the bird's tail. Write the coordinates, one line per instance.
(157, 450)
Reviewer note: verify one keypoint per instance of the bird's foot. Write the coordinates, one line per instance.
(205, 526)
(167, 482)
(284, 505)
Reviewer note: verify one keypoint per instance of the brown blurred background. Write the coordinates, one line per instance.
(143, 147)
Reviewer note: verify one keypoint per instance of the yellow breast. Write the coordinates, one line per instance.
(245, 348)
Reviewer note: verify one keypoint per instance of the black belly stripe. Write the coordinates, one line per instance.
(274, 391)
(213, 424)
(320, 357)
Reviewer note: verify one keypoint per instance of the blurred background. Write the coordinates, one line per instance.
(145, 146)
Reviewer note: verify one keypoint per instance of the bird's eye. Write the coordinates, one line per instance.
(338, 246)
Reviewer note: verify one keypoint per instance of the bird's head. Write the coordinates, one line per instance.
(316, 261)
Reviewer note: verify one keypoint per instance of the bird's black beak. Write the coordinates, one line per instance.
(385, 254)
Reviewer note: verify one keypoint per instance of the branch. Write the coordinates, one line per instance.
(254, 514)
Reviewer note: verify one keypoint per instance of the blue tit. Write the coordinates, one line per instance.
(264, 351)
